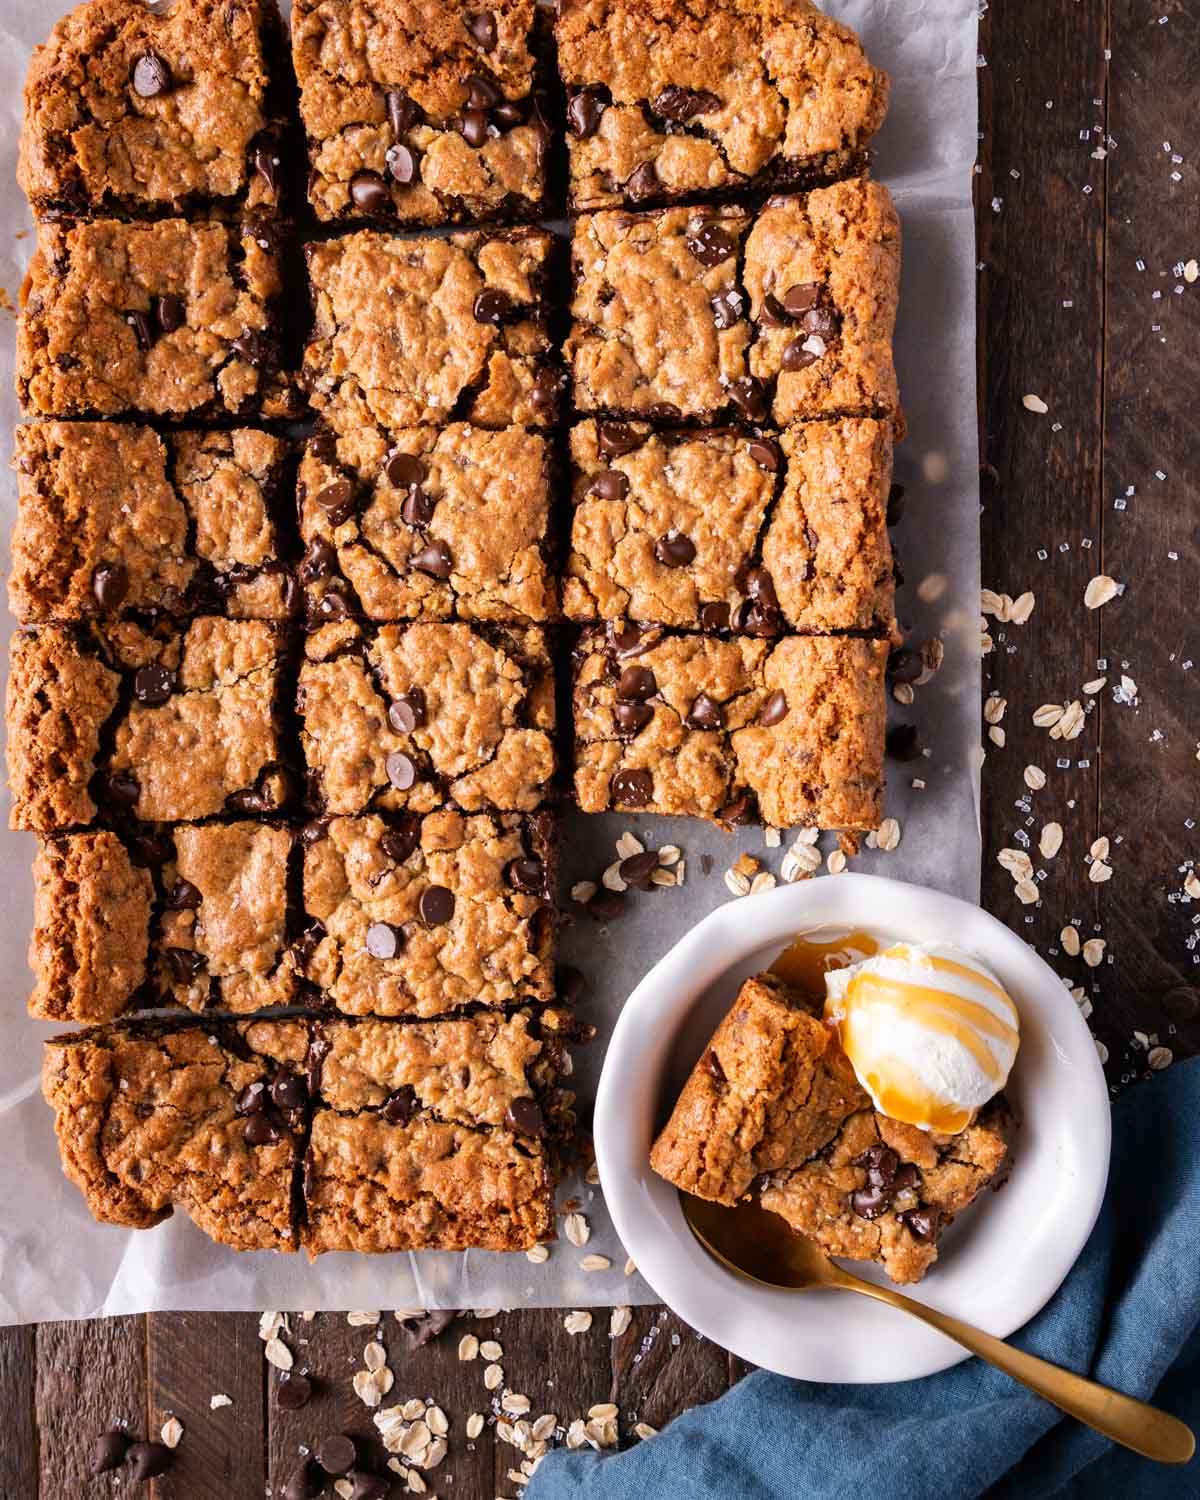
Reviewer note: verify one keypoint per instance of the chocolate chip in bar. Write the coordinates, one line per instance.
(436, 905)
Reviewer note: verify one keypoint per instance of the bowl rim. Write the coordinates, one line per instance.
(667, 1257)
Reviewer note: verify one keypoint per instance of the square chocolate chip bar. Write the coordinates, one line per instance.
(420, 115)
(722, 529)
(197, 916)
(116, 519)
(409, 718)
(145, 722)
(169, 319)
(433, 523)
(413, 916)
(791, 730)
(136, 111)
(669, 100)
(419, 330)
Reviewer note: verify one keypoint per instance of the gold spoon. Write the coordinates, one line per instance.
(758, 1245)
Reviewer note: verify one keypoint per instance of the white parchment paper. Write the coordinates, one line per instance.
(56, 1263)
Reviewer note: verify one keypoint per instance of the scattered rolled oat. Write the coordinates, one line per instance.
(595, 1263)
(669, 854)
(217, 1401)
(374, 1357)
(736, 884)
(1099, 872)
(490, 1349)
(887, 837)
(1093, 952)
(644, 1431)
(1101, 1050)
(1027, 892)
(278, 1353)
(474, 1424)
(577, 1322)
(514, 1404)
(1035, 404)
(763, 881)
(618, 1321)
(172, 1428)
(1035, 778)
(611, 879)
(993, 708)
(577, 1229)
(493, 1376)
(1094, 686)
(1021, 608)
(1191, 271)
(468, 1347)
(1050, 841)
(997, 736)
(1100, 590)
(1158, 1058)
(1191, 886)
(583, 891)
(800, 861)
(439, 1423)
(538, 1254)
(1016, 862)
(1100, 847)
(836, 863)
(1069, 939)
(628, 845)
(605, 1411)
(1048, 715)
(630, 1268)
(362, 1319)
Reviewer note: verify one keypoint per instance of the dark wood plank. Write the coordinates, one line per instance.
(1041, 244)
(18, 1450)
(90, 1377)
(661, 1368)
(1149, 770)
(191, 1357)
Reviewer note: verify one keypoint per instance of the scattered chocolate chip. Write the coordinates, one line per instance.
(401, 1105)
(610, 484)
(404, 470)
(399, 842)
(584, 110)
(773, 313)
(401, 771)
(798, 300)
(383, 940)
(402, 112)
(436, 905)
(369, 193)
(632, 717)
(183, 896)
(289, 1091)
(146, 1460)
(880, 1163)
(294, 1391)
(870, 1202)
(895, 505)
(144, 329)
(636, 684)
(261, 1130)
(253, 1098)
(170, 312)
(526, 875)
(675, 550)
(110, 584)
(774, 710)
(631, 789)
(252, 346)
(630, 641)
(740, 810)
(638, 868)
(820, 320)
(714, 616)
(680, 104)
(922, 1223)
(336, 1453)
(319, 561)
(524, 1116)
(904, 665)
(153, 685)
(643, 182)
(184, 964)
(482, 93)
(750, 397)
(406, 711)
(796, 356)
(151, 75)
(331, 606)
(336, 500)
(123, 789)
(305, 1483)
(418, 508)
(434, 559)
(902, 743)
(705, 713)
(711, 244)
(616, 438)
(364, 1486)
(766, 454)
(473, 127)
(493, 306)
(109, 1451)
(401, 164)
(727, 308)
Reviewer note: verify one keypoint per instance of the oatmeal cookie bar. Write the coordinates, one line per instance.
(430, 523)
(143, 721)
(772, 1088)
(170, 319)
(419, 330)
(667, 99)
(135, 111)
(115, 519)
(410, 717)
(150, 1119)
(884, 1191)
(420, 114)
(790, 729)
(721, 529)
(418, 915)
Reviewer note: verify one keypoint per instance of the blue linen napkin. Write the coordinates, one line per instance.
(1127, 1315)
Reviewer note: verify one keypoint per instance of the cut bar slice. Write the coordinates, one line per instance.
(412, 717)
(772, 1087)
(436, 524)
(679, 527)
(420, 916)
(669, 100)
(716, 728)
(115, 518)
(431, 330)
(420, 114)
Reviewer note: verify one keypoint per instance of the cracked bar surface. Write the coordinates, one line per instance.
(115, 518)
(169, 319)
(133, 111)
(790, 730)
(420, 916)
(144, 722)
(149, 1120)
(428, 523)
(757, 532)
(673, 98)
(884, 1191)
(772, 1087)
(419, 330)
(420, 114)
(412, 717)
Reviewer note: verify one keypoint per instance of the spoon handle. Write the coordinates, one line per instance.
(1152, 1433)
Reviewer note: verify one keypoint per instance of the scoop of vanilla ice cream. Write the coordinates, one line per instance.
(929, 1031)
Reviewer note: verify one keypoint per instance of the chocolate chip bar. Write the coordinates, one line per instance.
(760, 533)
(115, 519)
(131, 111)
(171, 320)
(421, 116)
(408, 718)
(432, 523)
(148, 722)
(668, 101)
(411, 331)
(789, 730)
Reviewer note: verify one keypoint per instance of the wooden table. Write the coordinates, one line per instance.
(1083, 235)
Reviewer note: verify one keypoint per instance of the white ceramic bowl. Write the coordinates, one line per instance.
(1000, 1262)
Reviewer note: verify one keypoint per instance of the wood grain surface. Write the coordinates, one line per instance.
(1084, 234)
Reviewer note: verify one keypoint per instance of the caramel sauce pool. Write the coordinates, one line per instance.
(805, 962)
